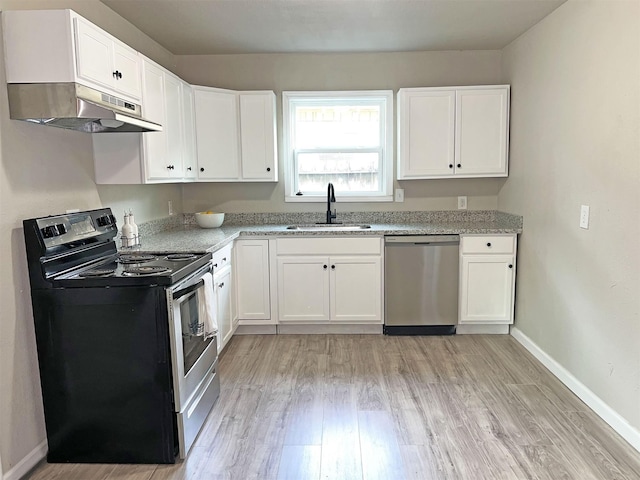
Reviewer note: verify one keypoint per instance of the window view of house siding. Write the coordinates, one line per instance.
(340, 144)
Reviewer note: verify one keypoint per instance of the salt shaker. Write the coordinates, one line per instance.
(127, 232)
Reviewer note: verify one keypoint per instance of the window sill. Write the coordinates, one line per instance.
(342, 199)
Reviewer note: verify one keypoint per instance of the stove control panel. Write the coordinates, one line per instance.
(72, 228)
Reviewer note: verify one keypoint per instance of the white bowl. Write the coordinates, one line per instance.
(209, 220)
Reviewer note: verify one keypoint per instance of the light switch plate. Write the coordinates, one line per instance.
(399, 194)
(170, 208)
(584, 216)
(462, 203)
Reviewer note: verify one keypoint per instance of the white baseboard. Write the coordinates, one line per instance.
(23, 467)
(604, 411)
(255, 330)
(324, 329)
(490, 329)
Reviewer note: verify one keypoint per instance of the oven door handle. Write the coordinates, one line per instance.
(185, 291)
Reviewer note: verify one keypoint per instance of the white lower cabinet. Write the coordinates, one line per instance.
(252, 290)
(222, 290)
(487, 279)
(303, 289)
(354, 288)
(327, 281)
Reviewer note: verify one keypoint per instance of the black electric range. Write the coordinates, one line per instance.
(103, 322)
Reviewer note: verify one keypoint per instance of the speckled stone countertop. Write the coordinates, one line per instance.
(188, 237)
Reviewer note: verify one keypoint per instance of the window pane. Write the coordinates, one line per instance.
(349, 172)
(337, 126)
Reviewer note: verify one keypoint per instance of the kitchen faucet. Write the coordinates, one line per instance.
(331, 197)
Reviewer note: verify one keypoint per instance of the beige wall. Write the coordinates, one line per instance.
(280, 72)
(575, 139)
(46, 171)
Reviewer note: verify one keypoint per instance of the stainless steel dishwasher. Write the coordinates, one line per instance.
(421, 284)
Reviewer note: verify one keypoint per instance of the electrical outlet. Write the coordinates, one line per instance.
(462, 203)
(399, 194)
(170, 208)
(584, 217)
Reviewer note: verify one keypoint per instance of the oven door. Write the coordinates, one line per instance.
(194, 350)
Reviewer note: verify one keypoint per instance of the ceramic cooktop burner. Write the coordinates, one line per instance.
(135, 258)
(145, 270)
(181, 256)
(98, 273)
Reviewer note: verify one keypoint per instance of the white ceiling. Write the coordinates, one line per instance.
(189, 27)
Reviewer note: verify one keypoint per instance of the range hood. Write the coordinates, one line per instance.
(75, 107)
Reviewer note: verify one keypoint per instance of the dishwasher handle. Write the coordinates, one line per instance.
(422, 239)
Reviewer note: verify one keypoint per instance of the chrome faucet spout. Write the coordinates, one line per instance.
(331, 198)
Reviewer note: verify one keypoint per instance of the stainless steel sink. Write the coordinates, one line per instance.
(328, 226)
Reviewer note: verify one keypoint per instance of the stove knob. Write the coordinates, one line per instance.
(104, 220)
(50, 231)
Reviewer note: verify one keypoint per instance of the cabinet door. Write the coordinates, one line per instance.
(486, 288)
(426, 129)
(128, 64)
(173, 125)
(217, 142)
(258, 136)
(103, 60)
(252, 279)
(94, 54)
(482, 126)
(155, 144)
(356, 289)
(222, 286)
(303, 289)
(189, 133)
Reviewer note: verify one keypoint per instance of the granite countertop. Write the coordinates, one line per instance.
(191, 238)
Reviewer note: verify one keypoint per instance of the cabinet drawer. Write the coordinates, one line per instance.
(192, 417)
(329, 246)
(221, 259)
(487, 244)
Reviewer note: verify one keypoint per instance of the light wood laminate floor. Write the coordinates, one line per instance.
(345, 407)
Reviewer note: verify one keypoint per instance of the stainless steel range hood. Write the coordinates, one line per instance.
(75, 107)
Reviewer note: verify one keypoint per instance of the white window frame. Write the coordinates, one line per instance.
(385, 194)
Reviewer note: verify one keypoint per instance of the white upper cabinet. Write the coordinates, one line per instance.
(482, 131)
(453, 132)
(157, 165)
(258, 136)
(73, 50)
(217, 143)
(106, 61)
(426, 126)
(189, 160)
(152, 157)
(235, 135)
(173, 125)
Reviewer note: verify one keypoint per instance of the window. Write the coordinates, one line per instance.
(342, 138)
